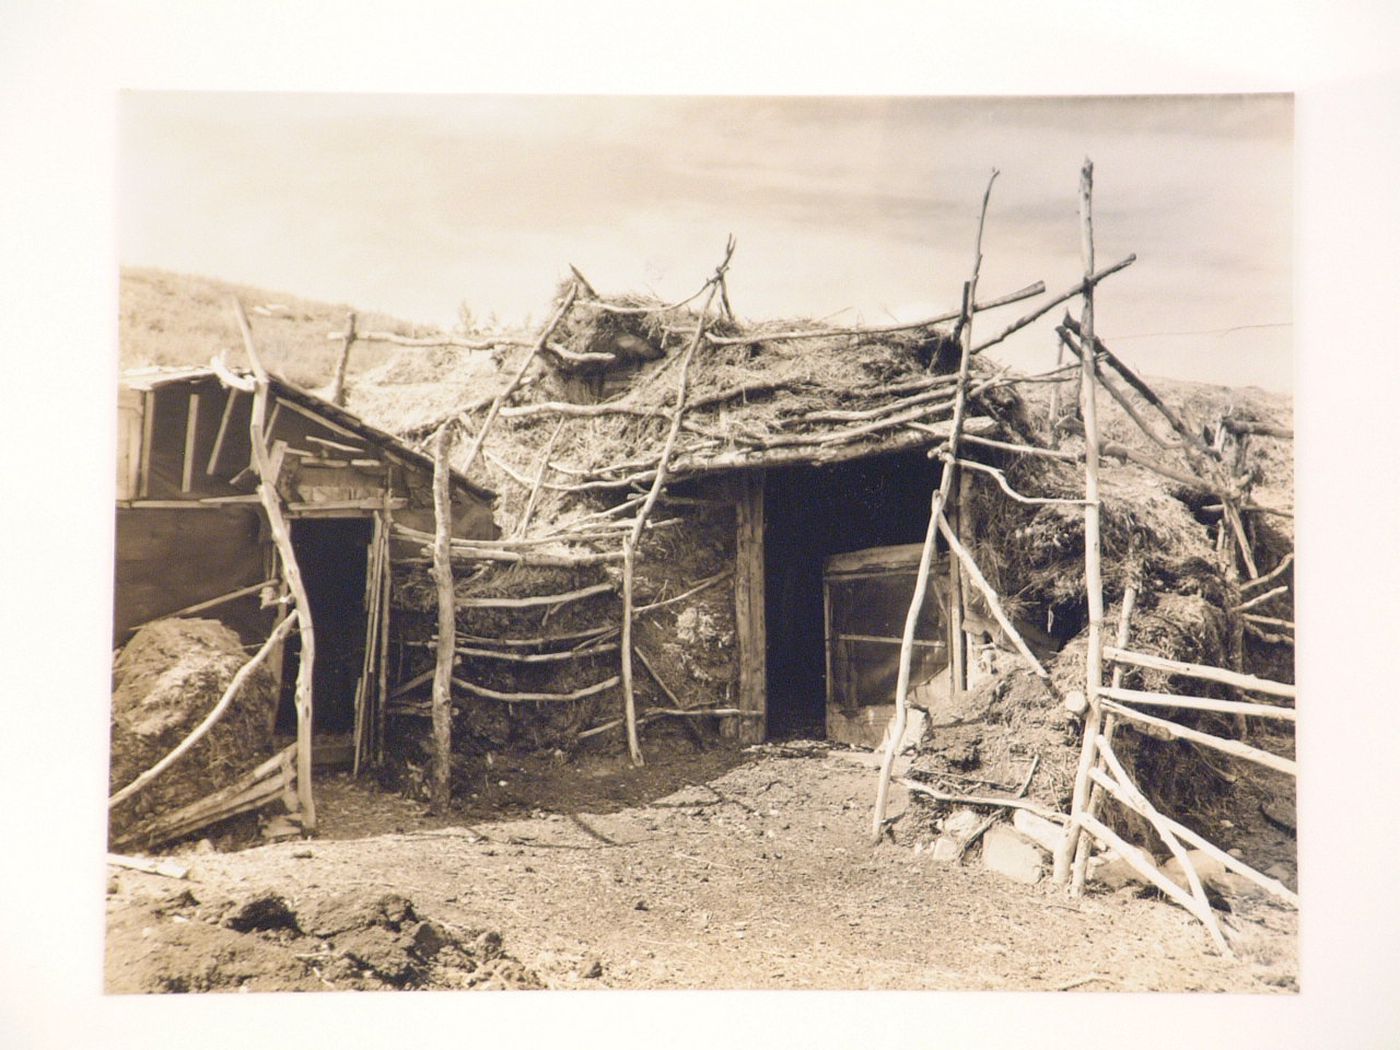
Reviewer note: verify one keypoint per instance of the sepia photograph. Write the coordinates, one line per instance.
(771, 525)
(753, 543)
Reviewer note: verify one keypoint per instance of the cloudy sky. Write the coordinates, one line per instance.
(862, 206)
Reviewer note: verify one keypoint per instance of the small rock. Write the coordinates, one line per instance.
(1117, 874)
(945, 848)
(303, 854)
(1280, 871)
(1044, 833)
(1007, 852)
(592, 969)
(1237, 853)
(112, 886)
(1208, 869)
(641, 905)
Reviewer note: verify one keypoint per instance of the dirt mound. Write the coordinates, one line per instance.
(166, 680)
(261, 942)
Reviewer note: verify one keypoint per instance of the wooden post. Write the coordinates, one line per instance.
(1093, 578)
(957, 636)
(337, 391)
(750, 623)
(1081, 852)
(447, 624)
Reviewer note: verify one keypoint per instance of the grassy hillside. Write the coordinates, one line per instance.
(175, 319)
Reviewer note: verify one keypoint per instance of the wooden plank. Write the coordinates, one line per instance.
(899, 556)
(227, 415)
(151, 866)
(191, 434)
(148, 422)
(320, 420)
(749, 619)
(1230, 747)
(1249, 683)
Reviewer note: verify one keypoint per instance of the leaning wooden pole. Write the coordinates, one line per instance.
(268, 467)
(940, 497)
(630, 541)
(1081, 853)
(1093, 575)
(447, 624)
(500, 399)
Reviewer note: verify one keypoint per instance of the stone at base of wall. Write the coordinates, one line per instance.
(1009, 853)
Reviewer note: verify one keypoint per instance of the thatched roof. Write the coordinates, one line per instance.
(759, 395)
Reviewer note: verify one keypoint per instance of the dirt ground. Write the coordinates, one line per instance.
(727, 868)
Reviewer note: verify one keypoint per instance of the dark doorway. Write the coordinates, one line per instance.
(812, 513)
(333, 555)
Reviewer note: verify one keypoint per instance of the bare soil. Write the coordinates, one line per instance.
(727, 868)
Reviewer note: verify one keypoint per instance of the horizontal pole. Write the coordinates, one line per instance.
(1268, 577)
(889, 641)
(1230, 747)
(1198, 703)
(517, 698)
(535, 600)
(1247, 682)
(1260, 599)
